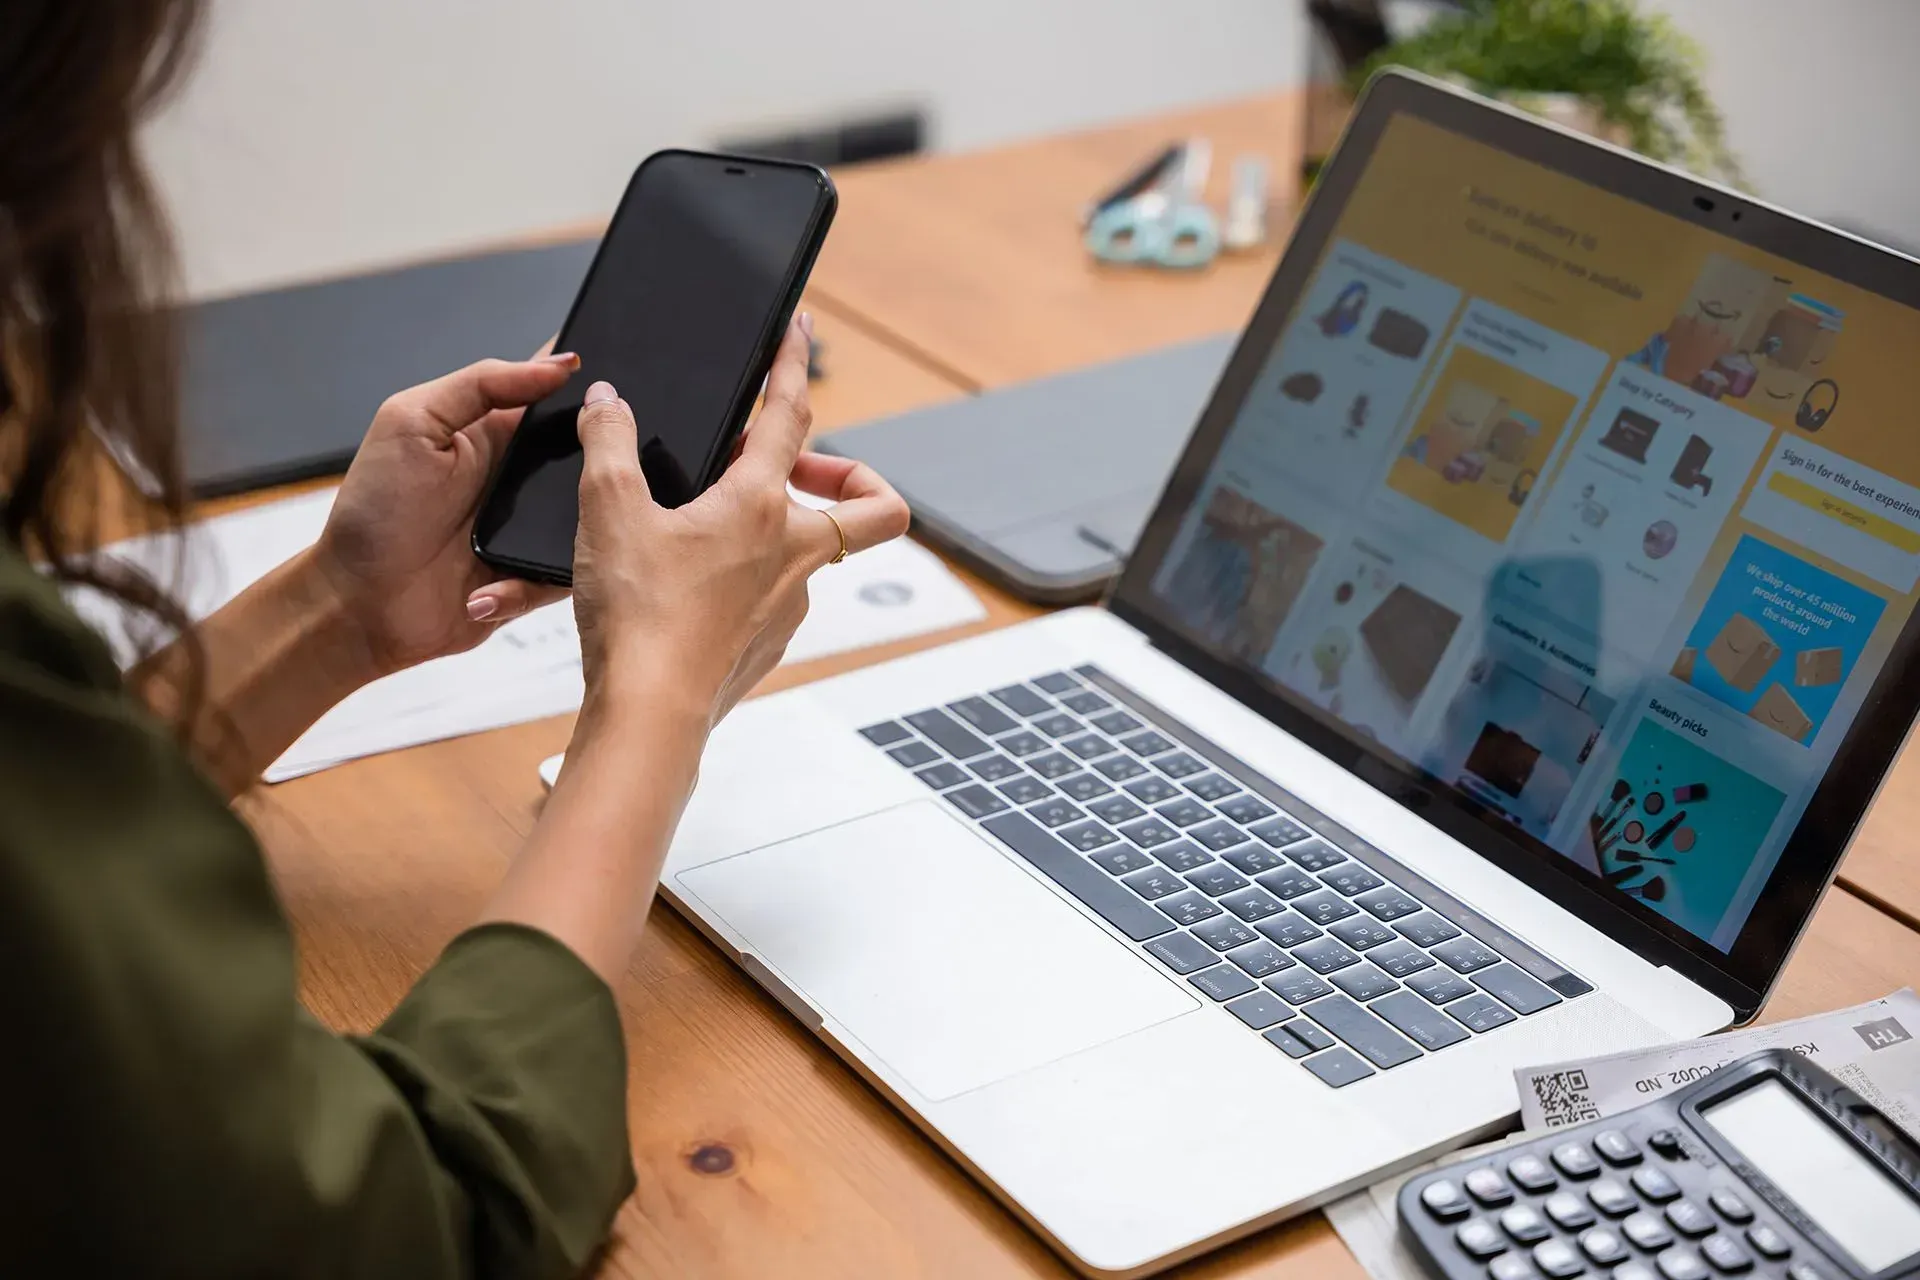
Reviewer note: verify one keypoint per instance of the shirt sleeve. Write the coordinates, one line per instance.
(177, 1111)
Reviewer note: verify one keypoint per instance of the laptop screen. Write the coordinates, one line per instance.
(1600, 520)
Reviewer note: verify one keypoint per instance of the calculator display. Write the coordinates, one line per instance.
(1859, 1207)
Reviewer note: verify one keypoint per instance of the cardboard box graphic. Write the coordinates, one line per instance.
(1813, 668)
(1778, 711)
(1742, 653)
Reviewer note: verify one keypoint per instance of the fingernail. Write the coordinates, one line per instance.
(600, 391)
(567, 358)
(806, 324)
(480, 608)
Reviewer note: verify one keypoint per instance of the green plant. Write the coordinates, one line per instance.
(1635, 70)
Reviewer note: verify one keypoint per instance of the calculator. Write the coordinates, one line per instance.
(1769, 1167)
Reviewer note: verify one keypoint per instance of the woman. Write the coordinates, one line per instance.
(173, 1110)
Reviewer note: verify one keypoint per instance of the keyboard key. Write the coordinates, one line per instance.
(1088, 836)
(1419, 1021)
(1510, 1266)
(1245, 809)
(1400, 958)
(1603, 1246)
(1322, 908)
(914, 754)
(1253, 904)
(1053, 765)
(1425, 929)
(1309, 1036)
(1224, 933)
(1112, 902)
(1443, 1200)
(948, 734)
(1149, 833)
(1568, 1211)
(1155, 882)
(1479, 1239)
(1025, 789)
(1730, 1206)
(1364, 982)
(976, 801)
(1260, 1010)
(1084, 701)
(1768, 1243)
(1324, 955)
(1488, 1187)
(1647, 1231)
(1655, 1185)
(1352, 879)
(1182, 856)
(1681, 1264)
(1725, 1253)
(1146, 744)
(1634, 1269)
(1612, 1198)
(1023, 743)
(1187, 908)
(1260, 959)
(1298, 986)
(1279, 830)
(943, 775)
(1387, 903)
(1088, 746)
(1184, 812)
(1480, 1012)
(1118, 768)
(1252, 859)
(1360, 933)
(1373, 1039)
(1289, 930)
(1689, 1219)
(1115, 809)
(1517, 989)
(1288, 882)
(1056, 813)
(1464, 955)
(1615, 1147)
(1179, 765)
(1440, 986)
(1083, 786)
(1056, 682)
(1557, 1259)
(1575, 1160)
(886, 733)
(1121, 860)
(983, 716)
(1216, 878)
(1057, 725)
(1530, 1172)
(1337, 1067)
(1115, 722)
(1524, 1223)
(1217, 835)
(994, 768)
(1021, 700)
(1151, 789)
(1315, 854)
(1213, 787)
(1182, 952)
(1223, 982)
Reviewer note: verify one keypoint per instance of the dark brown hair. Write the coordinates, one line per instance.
(89, 443)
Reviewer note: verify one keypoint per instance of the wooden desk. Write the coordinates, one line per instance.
(758, 1152)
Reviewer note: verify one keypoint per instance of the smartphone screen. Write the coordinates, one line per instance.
(681, 311)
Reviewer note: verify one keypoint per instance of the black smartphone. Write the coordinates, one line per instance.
(682, 311)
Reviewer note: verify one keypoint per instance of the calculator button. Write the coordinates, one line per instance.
(1603, 1247)
(1689, 1219)
(1612, 1199)
(1635, 1270)
(1509, 1266)
(1647, 1231)
(1574, 1160)
(1767, 1242)
(1804, 1271)
(1730, 1206)
(1725, 1253)
(1532, 1173)
(1568, 1211)
(1489, 1188)
(1667, 1143)
(1524, 1223)
(1655, 1185)
(1556, 1259)
(1614, 1146)
(1681, 1264)
(1479, 1239)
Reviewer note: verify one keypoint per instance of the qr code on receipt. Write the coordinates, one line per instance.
(1563, 1098)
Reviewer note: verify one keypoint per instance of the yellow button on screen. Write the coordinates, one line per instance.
(1847, 513)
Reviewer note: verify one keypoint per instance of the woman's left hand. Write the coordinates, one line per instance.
(397, 549)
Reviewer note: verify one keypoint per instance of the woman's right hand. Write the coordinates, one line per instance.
(699, 602)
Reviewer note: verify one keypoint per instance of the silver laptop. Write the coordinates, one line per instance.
(1499, 680)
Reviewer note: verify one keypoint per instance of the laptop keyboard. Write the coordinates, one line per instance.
(1322, 945)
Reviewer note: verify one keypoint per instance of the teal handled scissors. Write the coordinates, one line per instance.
(1156, 218)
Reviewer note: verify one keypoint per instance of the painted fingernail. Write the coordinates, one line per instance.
(601, 391)
(806, 324)
(567, 358)
(480, 608)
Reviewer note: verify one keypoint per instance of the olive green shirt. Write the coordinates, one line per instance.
(170, 1110)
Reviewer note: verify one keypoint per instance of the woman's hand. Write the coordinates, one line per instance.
(397, 548)
(699, 602)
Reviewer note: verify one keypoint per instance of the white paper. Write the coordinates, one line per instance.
(529, 668)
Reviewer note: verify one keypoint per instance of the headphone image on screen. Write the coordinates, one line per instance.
(1812, 417)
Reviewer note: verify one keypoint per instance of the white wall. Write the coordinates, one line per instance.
(318, 135)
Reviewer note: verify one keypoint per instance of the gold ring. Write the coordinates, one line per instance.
(843, 536)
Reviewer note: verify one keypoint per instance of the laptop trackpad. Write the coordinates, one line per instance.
(916, 934)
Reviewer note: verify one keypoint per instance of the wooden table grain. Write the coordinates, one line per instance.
(758, 1152)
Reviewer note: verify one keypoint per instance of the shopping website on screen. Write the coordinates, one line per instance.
(1604, 519)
